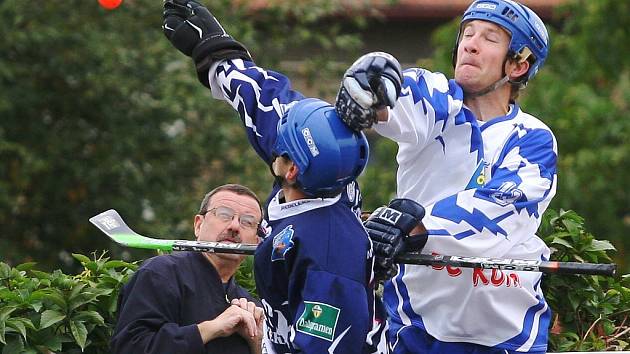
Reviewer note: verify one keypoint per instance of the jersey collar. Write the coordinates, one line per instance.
(514, 109)
(279, 210)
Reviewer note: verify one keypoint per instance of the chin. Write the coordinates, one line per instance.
(465, 83)
(228, 256)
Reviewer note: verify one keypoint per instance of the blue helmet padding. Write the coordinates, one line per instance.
(328, 154)
(525, 27)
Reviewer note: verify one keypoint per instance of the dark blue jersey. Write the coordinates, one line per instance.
(314, 269)
(313, 274)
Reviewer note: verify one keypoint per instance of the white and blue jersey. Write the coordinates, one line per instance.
(485, 187)
(314, 270)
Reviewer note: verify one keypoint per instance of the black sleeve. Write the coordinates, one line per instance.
(147, 318)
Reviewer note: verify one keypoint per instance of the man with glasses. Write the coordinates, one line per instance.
(188, 302)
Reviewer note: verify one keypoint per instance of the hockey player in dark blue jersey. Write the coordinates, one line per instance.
(314, 270)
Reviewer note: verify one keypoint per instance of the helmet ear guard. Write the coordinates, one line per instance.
(529, 37)
(328, 154)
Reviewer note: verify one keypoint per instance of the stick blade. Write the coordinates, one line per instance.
(112, 224)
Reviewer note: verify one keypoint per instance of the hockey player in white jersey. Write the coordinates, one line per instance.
(484, 170)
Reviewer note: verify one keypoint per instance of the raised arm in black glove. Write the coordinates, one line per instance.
(389, 228)
(193, 30)
(373, 82)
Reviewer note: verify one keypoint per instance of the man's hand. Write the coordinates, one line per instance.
(257, 313)
(254, 341)
(193, 30)
(234, 319)
(388, 228)
(372, 83)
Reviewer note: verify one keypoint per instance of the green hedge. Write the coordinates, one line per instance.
(591, 313)
(55, 312)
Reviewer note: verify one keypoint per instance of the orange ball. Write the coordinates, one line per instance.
(110, 4)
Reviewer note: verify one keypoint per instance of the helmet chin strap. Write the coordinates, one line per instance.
(496, 85)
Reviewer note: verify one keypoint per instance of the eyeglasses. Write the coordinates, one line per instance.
(226, 214)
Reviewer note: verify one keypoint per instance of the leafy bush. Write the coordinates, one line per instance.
(54, 312)
(591, 313)
(245, 276)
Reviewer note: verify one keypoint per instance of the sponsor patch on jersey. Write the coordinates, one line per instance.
(507, 194)
(282, 243)
(478, 178)
(318, 320)
(310, 142)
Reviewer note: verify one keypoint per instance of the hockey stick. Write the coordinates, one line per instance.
(112, 224)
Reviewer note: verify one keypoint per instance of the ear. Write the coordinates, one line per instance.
(197, 225)
(517, 69)
(292, 172)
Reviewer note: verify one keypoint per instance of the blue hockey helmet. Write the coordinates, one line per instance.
(529, 37)
(328, 154)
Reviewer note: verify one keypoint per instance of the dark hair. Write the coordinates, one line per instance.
(234, 188)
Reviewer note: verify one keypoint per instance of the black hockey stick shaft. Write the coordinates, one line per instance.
(508, 264)
(112, 224)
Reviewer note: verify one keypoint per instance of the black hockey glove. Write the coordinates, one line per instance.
(388, 228)
(371, 83)
(193, 30)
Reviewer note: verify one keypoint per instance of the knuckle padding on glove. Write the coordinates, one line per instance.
(408, 206)
(403, 221)
(370, 72)
(377, 67)
(352, 113)
(382, 232)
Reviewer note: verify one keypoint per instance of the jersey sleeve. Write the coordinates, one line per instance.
(425, 108)
(507, 210)
(261, 97)
(146, 319)
(331, 316)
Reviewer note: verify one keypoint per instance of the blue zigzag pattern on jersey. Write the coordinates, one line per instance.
(532, 146)
(439, 101)
(252, 90)
(448, 209)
